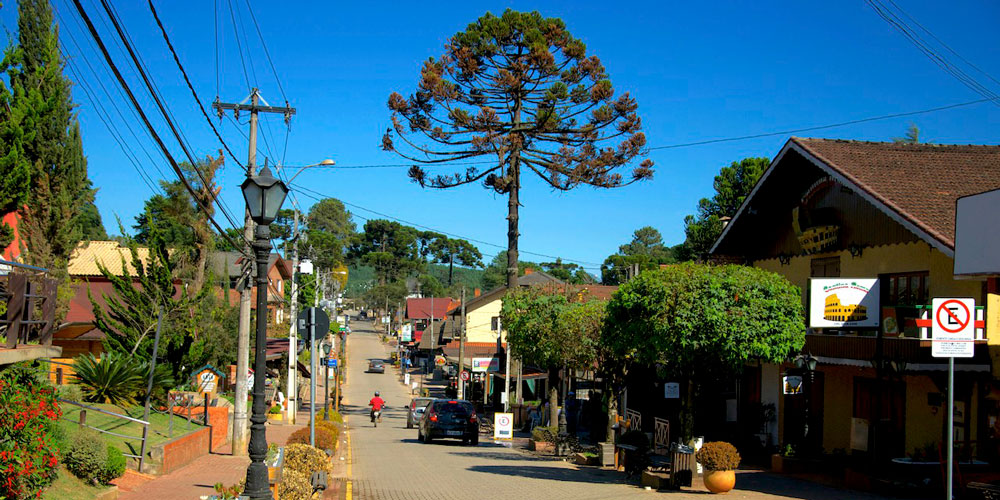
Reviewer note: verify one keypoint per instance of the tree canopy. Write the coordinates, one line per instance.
(495, 273)
(329, 231)
(520, 89)
(646, 249)
(389, 247)
(451, 250)
(732, 186)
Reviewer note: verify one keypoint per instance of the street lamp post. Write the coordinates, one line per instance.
(264, 195)
(808, 363)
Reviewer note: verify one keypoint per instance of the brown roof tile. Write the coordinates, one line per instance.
(921, 182)
(84, 258)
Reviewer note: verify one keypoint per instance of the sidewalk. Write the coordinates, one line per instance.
(198, 478)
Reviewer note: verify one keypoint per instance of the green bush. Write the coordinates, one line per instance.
(275, 410)
(114, 467)
(294, 485)
(70, 392)
(718, 455)
(86, 455)
(545, 434)
(113, 378)
(306, 459)
(325, 438)
(334, 416)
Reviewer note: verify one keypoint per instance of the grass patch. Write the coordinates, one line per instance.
(69, 487)
(159, 429)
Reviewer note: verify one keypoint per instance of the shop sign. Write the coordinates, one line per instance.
(791, 384)
(844, 302)
(486, 365)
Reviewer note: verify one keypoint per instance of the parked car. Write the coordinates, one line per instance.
(376, 366)
(449, 418)
(416, 410)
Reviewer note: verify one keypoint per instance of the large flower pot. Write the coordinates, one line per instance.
(719, 481)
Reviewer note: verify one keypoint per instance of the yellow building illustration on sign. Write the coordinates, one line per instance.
(835, 311)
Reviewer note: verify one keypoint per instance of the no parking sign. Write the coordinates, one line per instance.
(953, 330)
(503, 426)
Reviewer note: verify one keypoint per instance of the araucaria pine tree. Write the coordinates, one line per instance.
(518, 88)
(40, 130)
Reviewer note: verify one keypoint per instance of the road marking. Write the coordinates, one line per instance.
(349, 490)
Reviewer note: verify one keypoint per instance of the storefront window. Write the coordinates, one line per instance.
(901, 293)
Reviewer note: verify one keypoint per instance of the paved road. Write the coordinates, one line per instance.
(389, 462)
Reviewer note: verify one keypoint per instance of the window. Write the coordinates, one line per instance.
(826, 267)
(901, 293)
(281, 286)
(495, 323)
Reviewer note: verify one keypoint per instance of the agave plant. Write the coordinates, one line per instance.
(113, 378)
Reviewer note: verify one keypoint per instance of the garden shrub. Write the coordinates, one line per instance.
(335, 416)
(718, 455)
(28, 426)
(114, 466)
(545, 434)
(306, 459)
(330, 427)
(71, 392)
(294, 485)
(86, 455)
(275, 410)
(325, 439)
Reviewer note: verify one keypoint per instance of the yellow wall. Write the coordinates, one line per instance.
(480, 321)
(838, 406)
(886, 259)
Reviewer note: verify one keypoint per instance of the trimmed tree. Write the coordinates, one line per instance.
(520, 91)
(695, 322)
(548, 329)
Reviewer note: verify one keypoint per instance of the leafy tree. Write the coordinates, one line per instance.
(389, 247)
(223, 245)
(495, 274)
(567, 271)
(41, 130)
(548, 329)
(129, 321)
(732, 186)
(521, 90)
(450, 250)
(431, 286)
(377, 296)
(697, 322)
(912, 135)
(329, 230)
(646, 249)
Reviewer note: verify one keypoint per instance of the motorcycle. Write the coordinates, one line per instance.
(376, 416)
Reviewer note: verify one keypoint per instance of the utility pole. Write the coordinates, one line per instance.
(293, 342)
(241, 430)
(461, 351)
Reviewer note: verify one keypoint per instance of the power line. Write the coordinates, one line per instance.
(167, 115)
(239, 46)
(266, 52)
(187, 80)
(306, 192)
(145, 120)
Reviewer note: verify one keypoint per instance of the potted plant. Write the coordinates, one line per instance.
(274, 414)
(543, 439)
(720, 460)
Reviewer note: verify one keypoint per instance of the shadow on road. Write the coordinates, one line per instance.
(496, 455)
(553, 473)
(790, 487)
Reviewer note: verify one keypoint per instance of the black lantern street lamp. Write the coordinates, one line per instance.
(264, 195)
(808, 363)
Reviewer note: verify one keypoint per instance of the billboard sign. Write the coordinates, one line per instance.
(844, 303)
(486, 365)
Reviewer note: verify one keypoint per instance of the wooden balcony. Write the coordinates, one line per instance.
(908, 349)
(29, 295)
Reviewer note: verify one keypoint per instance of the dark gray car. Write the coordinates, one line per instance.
(376, 366)
(449, 418)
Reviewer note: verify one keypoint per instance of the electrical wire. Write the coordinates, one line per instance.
(156, 137)
(187, 80)
(266, 52)
(318, 196)
(239, 46)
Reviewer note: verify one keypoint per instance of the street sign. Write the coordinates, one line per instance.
(953, 327)
(322, 323)
(503, 426)
(440, 360)
(331, 362)
(465, 376)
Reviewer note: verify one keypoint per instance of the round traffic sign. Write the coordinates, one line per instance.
(503, 420)
(948, 320)
(465, 376)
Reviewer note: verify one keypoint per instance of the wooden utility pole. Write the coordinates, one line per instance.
(241, 430)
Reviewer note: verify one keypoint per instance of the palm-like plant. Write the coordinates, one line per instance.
(113, 378)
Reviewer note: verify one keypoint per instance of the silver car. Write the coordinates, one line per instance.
(416, 410)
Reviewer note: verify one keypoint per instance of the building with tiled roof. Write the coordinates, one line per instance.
(869, 210)
(84, 259)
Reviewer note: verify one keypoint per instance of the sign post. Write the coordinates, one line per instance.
(503, 427)
(953, 334)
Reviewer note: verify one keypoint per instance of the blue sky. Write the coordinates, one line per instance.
(699, 70)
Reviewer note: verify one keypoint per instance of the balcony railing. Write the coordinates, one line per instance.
(924, 323)
(29, 296)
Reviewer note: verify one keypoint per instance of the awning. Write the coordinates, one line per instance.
(910, 367)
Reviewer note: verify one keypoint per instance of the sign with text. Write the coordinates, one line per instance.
(486, 364)
(503, 426)
(406, 333)
(953, 327)
(844, 302)
(791, 384)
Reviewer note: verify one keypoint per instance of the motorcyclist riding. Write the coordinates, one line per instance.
(377, 403)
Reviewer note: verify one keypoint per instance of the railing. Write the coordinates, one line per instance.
(83, 423)
(925, 323)
(661, 435)
(634, 419)
(30, 297)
